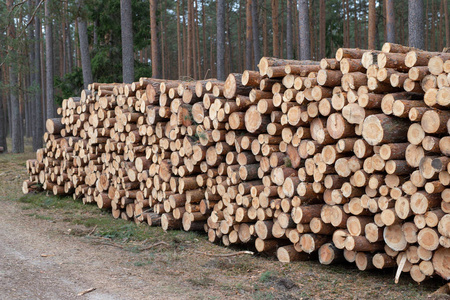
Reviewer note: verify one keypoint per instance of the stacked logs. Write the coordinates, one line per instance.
(345, 159)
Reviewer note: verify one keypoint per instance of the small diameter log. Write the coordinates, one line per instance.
(288, 254)
(329, 254)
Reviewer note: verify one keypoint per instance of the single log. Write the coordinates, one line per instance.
(384, 129)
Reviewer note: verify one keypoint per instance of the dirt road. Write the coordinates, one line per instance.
(38, 261)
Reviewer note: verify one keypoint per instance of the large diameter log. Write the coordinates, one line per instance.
(384, 129)
(395, 238)
(233, 86)
(440, 262)
(435, 121)
(338, 127)
(255, 122)
(54, 126)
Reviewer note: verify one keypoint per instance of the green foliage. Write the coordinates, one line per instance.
(69, 85)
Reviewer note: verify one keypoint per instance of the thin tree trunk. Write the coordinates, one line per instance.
(197, 40)
(276, 33)
(69, 57)
(390, 21)
(16, 133)
(255, 27)
(50, 112)
(248, 41)
(264, 29)
(440, 35)
(239, 38)
(296, 29)
(126, 21)
(372, 24)
(312, 38)
(322, 29)
(220, 39)
(204, 39)
(185, 41)
(433, 43)
(154, 39)
(415, 24)
(229, 45)
(192, 21)
(427, 27)
(303, 17)
(163, 55)
(356, 25)
(38, 129)
(447, 28)
(190, 71)
(3, 123)
(179, 52)
(84, 52)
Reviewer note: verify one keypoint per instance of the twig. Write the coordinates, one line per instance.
(92, 231)
(86, 291)
(154, 245)
(226, 254)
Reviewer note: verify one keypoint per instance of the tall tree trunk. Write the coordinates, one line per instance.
(276, 32)
(205, 68)
(16, 133)
(441, 19)
(372, 24)
(415, 24)
(192, 21)
(179, 46)
(197, 41)
(163, 42)
(84, 52)
(265, 38)
(390, 21)
(447, 28)
(126, 21)
(322, 29)
(356, 24)
(38, 129)
(296, 29)
(68, 42)
(49, 62)
(427, 27)
(255, 27)
(433, 44)
(312, 38)
(344, 24)
(190, 54)
(3, 123)
(185, 40)
(303, 17)
(248, 41)
(220, 40)
(154, 39)
(239, 39)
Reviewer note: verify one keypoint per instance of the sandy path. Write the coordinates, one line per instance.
(38, 261)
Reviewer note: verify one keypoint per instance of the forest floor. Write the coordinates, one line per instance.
(56, 247)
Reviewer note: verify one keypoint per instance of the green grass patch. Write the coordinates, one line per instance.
(267, 276)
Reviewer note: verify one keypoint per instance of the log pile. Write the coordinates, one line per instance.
(346, 159)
